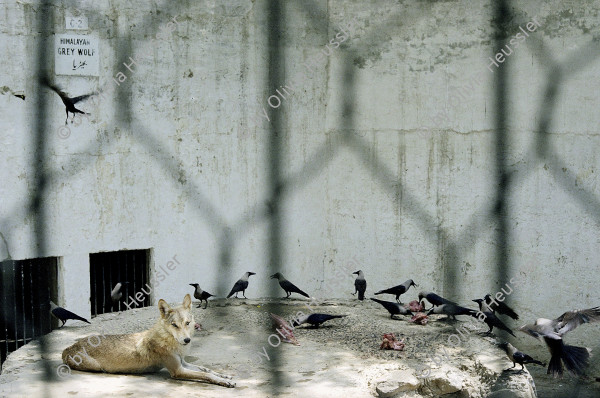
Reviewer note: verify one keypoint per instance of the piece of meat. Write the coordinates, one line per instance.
(420, 318)
(391, 343)
(284, 329)
(415, 306)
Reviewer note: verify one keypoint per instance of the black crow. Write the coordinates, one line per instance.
(551, 331)
(69, 102)
(434, 299)
(393, 308)
(499, 306)
(398, 290)
(360, 285)
(315, 319)
(518, 357)
(452, 310)
(288, 286)
(491, 320)
(201, 295)
(64, 315)
(241, 285)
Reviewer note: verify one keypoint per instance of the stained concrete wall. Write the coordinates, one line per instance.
(179, 150)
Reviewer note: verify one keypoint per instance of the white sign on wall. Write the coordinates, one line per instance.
(76, 55)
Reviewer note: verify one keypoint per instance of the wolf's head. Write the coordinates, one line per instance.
(178, 321)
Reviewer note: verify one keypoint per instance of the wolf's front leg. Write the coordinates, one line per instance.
(178, 371)
(203, 369)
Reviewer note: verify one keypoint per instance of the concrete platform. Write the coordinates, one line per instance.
(342, 358)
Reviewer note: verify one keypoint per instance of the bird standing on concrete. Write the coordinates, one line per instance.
(241, 285)
(64, 315)
(492, 320)
(499, 306)
(315, 319)
(451, 310)
(117, 292)
(551, 331)
(398, 290)
(201, 295)
(360, 285)
(393, 308)
(288, 286)
(434, 299)
(69, 102)
(518, 357)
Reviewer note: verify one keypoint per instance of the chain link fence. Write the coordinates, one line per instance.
(494, 216)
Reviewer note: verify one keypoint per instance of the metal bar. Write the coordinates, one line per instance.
(39, 161)
(94, 283)
(31, 304)
(275, 76)
(502, 16)
(135, 287)
(22, 299)
(111, 284)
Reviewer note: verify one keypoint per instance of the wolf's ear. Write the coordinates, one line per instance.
(187, 301)
(164, 308)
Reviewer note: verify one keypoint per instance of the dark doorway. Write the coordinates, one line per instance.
(109, 268)
(27, 286)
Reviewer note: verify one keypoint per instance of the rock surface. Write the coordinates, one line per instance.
(340, 358)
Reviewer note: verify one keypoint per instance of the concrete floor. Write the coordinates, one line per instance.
(341, 358)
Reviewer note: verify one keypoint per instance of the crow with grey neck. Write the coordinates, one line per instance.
(492, 320)
(288, 286)
(69, 102)
(500, 307)
(518, 357)
(451, 310)
(398, 290)
(552, 331)
(117, 292)
(393, 308)
(64, 315)
(315, 319)
(241, 285)
(434, 299)
(201, 295)
(360, 285)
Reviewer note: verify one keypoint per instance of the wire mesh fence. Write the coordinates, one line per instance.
(451, 248)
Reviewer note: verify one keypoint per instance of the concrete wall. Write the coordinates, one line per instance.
(188, 155)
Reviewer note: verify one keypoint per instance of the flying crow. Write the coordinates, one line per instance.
(69, 102)
(551, 331)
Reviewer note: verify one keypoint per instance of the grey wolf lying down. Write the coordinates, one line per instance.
(162, 346)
